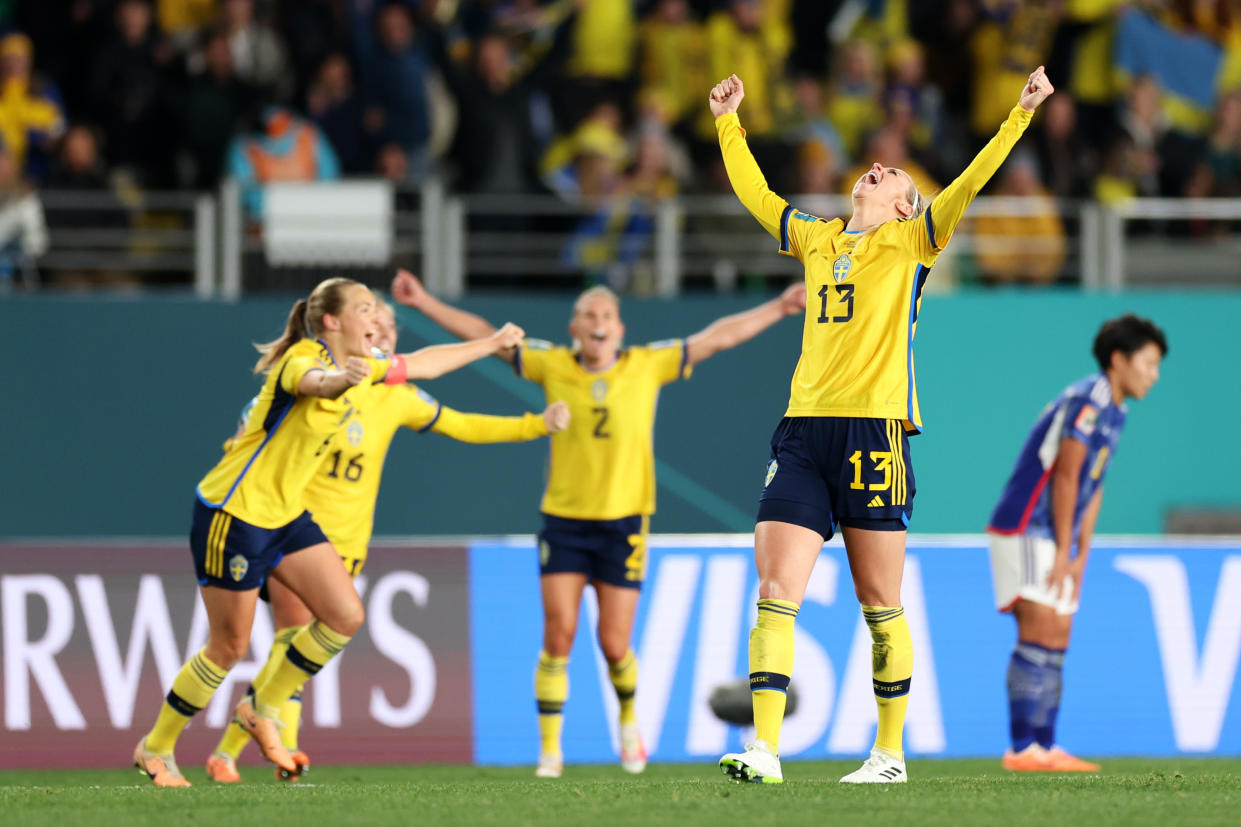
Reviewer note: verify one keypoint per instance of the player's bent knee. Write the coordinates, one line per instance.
(225, 651)
(558, 642)
(348, 618)
(614, 647)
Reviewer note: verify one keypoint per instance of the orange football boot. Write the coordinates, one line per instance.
(222, 768)
(1031, 759)
(161, 769)
(1061, 761)
(265, 733)
(303, 766)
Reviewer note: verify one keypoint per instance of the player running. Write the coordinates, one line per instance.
(601, 485)
(1050, 505)
(841, 454)
(250, 519)
(342, 496)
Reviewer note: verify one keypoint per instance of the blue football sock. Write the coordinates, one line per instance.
(1025, 691)
(1049, 702)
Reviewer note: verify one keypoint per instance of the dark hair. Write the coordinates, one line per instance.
(305, 319)
(1128, 334)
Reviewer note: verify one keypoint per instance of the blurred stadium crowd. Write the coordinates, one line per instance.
(596, 100)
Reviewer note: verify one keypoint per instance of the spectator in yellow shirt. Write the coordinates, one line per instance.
(30, 115)
(1027, 247)
(736, 43)
(674, 58)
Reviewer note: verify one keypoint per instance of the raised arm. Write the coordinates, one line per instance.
(743, 172)
(408, 290)
(481, 429)
(731, 331)
(437, 360)
(949, 206)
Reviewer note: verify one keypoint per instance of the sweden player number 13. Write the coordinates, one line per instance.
(842, 297)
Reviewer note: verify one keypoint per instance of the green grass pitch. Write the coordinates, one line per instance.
(1127, 792)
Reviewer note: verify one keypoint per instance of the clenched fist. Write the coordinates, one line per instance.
(726, 96)
(508, 336)
(407, 289)
(556, 417)
(793, 299)
(356, 370)
(1038, 88)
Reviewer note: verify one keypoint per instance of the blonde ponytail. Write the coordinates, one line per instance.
(306, 319)
(294, 332)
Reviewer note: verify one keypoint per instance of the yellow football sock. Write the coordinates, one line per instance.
(312, 647)
(551, 689)
(193, 687)
(291, 717)
(624, 675)
(233, 741)
(771, 666)
(892, 661)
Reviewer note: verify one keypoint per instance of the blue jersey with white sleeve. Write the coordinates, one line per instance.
(1083, 411)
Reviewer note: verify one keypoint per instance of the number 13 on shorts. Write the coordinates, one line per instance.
(881, 462)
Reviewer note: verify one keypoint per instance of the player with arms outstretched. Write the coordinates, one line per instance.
(601, 485)
(841, 454)
(342, 496)
(1049, 506)
(250, 518)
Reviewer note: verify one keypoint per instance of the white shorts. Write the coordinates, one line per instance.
(1020, 564)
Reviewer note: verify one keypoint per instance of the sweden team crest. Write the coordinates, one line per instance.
(354, 433)
(237, 567)
(841, 267)
(545, 552)
(599, 390)
(771, 472)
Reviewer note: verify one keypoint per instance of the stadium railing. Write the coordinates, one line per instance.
(107, 237)
(463, 242)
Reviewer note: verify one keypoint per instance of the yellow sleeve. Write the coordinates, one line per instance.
(932, 232)
(481, 428)
(296, 367)
(669, 360)
(419, 409)
(772, 211)
(531, 359)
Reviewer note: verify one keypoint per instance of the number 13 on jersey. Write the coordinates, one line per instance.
(840, 297)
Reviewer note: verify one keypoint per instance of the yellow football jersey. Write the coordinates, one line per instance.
(602, 466)
(863, 290)
(341, 495)
(263, 475)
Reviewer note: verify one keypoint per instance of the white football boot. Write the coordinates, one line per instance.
(757, 764)
(633, 752)
(880, 768)
(551, 765)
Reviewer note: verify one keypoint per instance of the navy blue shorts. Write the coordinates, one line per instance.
(613, 551)
(234, 555)
(849, 471)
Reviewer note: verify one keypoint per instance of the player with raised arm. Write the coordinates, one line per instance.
(250, 519)
(601, 484)
(841, 454)
(1049, 507)
(342, 496)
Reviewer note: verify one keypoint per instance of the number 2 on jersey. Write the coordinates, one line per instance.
(845, 294)
(601, 422)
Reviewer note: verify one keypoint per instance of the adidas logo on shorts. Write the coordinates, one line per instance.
(876, 502)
